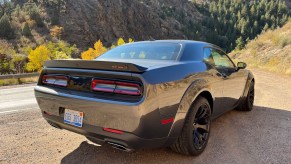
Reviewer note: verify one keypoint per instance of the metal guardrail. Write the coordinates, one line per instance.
(18, 76)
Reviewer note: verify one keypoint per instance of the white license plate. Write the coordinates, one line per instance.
(73, 117)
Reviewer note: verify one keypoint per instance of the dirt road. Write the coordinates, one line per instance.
(260, 136)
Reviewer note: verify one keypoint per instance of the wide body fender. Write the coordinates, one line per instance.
(194, 90)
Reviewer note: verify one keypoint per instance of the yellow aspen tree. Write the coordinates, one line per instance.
(130, 40)
(112, 46)
(87, 55)
(99, 48)
(37, 58)
(120, 42)
(91, 53)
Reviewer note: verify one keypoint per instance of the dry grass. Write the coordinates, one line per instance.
(16, 81)
(270, 50)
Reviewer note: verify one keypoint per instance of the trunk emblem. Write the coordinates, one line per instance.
(119, 67)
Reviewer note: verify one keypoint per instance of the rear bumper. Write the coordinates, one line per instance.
(128, 140)
(141, 121)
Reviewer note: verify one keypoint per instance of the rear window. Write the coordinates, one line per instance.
(150, 51)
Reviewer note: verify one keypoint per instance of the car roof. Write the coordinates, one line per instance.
(183, 42)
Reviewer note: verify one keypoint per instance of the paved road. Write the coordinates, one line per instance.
(260, 136)
(17, 99)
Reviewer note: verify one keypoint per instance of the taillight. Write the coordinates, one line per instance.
(127, 88)
(55, 80)
(116, 87)
(103, 85)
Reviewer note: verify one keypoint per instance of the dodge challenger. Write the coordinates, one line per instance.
(146, 94)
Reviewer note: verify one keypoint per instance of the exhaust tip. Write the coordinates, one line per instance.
(54, 125)
(120, 147)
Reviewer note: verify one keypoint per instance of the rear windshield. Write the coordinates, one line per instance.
(150, 51)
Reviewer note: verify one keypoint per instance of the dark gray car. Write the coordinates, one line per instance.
(146, 94)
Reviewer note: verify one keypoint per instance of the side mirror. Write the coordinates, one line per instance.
(241, 65)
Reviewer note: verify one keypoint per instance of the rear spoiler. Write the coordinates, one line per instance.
(94, 64)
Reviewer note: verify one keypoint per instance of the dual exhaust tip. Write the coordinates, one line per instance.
(113, 144)
(119, 147)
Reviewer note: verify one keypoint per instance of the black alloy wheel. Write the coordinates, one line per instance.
(201, 126)
(248, 103)
(195, 133)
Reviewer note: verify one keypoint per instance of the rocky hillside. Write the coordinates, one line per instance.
(270, 50)
(90, 20)
(84, 22)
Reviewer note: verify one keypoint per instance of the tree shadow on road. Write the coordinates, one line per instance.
(259, 136)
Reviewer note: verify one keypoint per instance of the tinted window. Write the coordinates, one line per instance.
(217, 58)
(152, 51)
(208, 56)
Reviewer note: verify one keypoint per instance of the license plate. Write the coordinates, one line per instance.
(73, 117)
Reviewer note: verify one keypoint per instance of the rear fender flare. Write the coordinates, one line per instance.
(196, 87)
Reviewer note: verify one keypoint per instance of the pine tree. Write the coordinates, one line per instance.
(6, 30)
(239, 43)
(26, 30)
(247, 19)
(266, 27)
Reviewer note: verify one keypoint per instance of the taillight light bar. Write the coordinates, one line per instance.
(55, 80)
(126, 88)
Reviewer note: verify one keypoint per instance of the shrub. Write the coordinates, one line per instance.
(62, 50)
(56, 31)
(6, 66)
(284, 41)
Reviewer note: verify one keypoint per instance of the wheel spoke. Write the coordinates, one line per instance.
(204, 127)
(196, 138)
(205, 135)
(202, 113)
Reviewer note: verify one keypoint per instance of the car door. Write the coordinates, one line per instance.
(215, 82)
(234, 80)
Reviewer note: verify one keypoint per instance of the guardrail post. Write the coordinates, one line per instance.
(19, 81)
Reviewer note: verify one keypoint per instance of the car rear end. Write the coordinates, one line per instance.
(117, 107)
(107, 100)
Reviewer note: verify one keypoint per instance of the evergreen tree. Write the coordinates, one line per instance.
(26, 30)
(266, 27)
(246, 19)
(6, 30)
(239, 43)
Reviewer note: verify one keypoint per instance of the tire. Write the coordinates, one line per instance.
(196, 130)
(248, 102)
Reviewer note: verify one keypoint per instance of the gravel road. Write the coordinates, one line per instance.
(260, 136)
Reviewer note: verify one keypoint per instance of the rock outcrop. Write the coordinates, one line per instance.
(87, 21)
